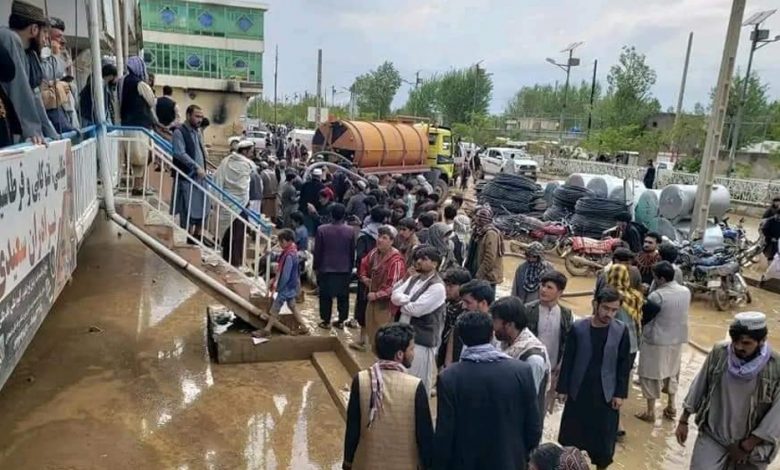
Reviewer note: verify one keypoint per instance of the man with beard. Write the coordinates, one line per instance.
(487, 417)
(22, 39)
(421, 300)
(594, 380)
(510, 321)
(736, 400)
(378, 272)
(389, 423)
(451, 346)
(648, 257)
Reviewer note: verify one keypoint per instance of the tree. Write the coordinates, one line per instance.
(289, 113)
(755, 113)
(464, 94)
(423, 100)
(613, 139)
(547, 101)
(376, 89)
(629, 99)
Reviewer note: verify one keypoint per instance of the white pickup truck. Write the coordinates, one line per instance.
(495, 160)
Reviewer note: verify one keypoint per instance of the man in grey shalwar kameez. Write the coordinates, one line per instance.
(22, 39)
(736, 400)
(189, 155)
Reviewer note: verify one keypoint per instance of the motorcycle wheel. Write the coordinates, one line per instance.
(549, 244)
(721, 299)
(563, 247)
(574, 268)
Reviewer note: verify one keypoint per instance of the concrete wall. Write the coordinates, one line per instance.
(222, 109)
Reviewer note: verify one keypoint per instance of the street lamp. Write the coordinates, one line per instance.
(758, 39)
(571, 62)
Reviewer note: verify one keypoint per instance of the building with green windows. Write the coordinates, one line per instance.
(210, 52)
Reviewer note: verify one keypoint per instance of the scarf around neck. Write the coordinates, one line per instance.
(619, 277)
(531, 275)
(482, 353)
(748, 370)
(376, 400)
(524, 342)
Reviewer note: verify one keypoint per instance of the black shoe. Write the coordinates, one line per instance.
(339, 325)
(324, 325)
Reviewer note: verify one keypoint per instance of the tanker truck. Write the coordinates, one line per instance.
(400, 146)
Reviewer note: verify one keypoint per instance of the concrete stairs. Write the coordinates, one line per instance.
(161, 228)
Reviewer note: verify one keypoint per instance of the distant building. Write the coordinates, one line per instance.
(661, 121)
(210, 52)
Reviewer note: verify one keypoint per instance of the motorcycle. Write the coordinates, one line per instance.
(583, 255)
(717, 274)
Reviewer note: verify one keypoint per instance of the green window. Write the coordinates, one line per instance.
(172, 59)
(180, 16)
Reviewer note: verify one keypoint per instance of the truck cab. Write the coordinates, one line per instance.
(440, 156)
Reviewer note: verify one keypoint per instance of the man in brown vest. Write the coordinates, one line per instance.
(389, 424)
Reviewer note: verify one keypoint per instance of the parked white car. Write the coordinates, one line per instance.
(495, 160)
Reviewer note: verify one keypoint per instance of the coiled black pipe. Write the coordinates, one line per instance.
(513, 194)
(564, 200)
(594, 215)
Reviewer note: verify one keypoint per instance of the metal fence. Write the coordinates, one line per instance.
(85, 187)
(759, 192)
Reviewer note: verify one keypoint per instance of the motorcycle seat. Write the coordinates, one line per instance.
(721, 270)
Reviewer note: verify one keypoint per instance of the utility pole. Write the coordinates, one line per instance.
(417, 80)
(276, 76)
(757, 36)
(319, 88)
(476, 83)
(592, 96)
(720, 104)
(680, 97)
(118, 38)
(571, 62)
(333, 96)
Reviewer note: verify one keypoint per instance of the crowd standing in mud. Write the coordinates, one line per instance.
(426, 271)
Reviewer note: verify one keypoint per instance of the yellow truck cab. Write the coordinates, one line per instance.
(440, 150)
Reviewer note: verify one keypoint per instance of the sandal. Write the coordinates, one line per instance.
(648, 418)
(670, 413)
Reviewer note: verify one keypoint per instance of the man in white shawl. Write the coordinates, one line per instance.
(233, 176)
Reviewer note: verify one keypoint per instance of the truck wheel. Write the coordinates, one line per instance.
(441, 188)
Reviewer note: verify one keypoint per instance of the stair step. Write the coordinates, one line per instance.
(191, 253)
(163, 233)
(135, 212)
(335, 376)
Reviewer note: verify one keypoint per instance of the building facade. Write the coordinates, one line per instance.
(210, 52)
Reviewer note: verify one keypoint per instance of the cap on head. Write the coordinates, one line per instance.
(29, 11)
(245, 144)
(316, 172)
(362, 185)
(750, 320)
(56, 23)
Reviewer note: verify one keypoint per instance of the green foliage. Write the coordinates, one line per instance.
(294, 113)
(773, 132)
(479, 131)
(464, 95)
(689, 134)
(458, 96)
(756, 109)
(689, 164)
(613, 139)
(423, 100)
(629, 100)
(547, 100)
(376, 89)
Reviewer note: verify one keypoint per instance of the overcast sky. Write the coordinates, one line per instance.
(512, 37)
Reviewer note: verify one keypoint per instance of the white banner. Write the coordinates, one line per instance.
(37, 241)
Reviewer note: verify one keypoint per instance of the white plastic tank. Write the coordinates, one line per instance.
(677, 201)
(603, 186)
(628, 191)
(579, 179)
(713, 235)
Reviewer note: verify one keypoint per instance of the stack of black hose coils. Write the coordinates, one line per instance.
(513, 194)
(594, 215)
(564, 200)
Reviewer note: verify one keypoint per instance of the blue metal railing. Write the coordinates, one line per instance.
(168, 148)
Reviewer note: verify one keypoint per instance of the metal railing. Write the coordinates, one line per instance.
(227, 230)
(759, 192)
(85, 185)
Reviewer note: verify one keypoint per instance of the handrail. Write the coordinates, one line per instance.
(168, 149)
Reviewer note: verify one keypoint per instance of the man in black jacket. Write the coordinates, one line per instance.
(487, 409)
(630, 232)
